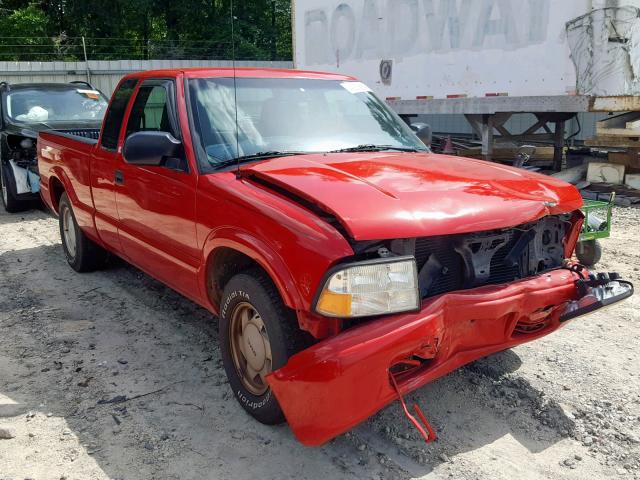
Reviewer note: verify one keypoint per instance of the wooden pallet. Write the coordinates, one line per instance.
(625, 125)
(621, 131)
(613, 141)
(508, 153)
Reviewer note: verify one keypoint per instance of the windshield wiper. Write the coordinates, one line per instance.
(255, 156)
(374, 148)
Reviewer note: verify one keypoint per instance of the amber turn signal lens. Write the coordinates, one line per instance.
(371, 288)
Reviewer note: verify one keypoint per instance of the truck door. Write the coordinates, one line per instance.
(104, 162)
(156, 204)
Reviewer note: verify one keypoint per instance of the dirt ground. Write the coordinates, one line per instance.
(111, 375)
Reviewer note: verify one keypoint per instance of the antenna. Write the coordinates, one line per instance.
(235, 87)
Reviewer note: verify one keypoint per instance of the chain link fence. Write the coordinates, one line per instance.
(70, 49)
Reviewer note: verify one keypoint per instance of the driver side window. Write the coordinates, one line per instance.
(150, 110)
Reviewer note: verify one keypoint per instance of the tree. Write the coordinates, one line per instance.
(119, 29)
(14, 23)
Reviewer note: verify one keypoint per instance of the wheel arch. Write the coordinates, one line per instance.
(56, 189)
(232, 252)
(59, 183)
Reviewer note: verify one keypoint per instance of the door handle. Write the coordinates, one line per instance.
(118, 177)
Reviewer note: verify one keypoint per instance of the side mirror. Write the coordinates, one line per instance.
(151, 148)
(423, 132)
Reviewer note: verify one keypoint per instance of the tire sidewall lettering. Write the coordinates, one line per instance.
(253, 404)
(236, 294)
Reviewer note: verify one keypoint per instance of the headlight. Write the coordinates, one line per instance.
(371, 288)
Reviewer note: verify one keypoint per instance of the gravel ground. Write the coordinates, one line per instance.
(111, 375)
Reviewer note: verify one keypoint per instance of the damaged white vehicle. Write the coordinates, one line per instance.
(26, 109)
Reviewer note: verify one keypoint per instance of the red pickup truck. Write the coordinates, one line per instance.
(347, 264)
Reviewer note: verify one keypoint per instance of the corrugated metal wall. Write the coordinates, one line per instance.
(518, 123)
(105, 75)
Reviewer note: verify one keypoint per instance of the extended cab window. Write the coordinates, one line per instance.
(115, 114)
(151, 110)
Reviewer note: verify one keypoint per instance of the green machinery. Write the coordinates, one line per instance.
(597, 225)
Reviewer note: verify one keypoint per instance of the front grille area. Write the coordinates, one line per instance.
(449, 277)
(456, 262)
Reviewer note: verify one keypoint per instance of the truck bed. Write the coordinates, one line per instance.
(64, 156)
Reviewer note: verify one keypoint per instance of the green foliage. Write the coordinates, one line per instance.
(13, 23)
(140, 29)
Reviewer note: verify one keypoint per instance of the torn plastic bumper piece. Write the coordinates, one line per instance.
(27, 182)
(595, 292)
(334, 385)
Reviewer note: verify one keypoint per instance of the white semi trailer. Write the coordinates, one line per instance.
(486, 59)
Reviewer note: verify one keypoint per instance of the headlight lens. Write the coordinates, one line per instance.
(371, 288)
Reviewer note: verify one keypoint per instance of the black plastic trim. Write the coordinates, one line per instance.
(599, 304)
(75, 138)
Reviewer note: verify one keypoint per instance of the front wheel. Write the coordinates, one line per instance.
(9, 191)
(257, 336)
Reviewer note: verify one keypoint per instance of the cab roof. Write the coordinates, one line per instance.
(45, 85)
(240, 72)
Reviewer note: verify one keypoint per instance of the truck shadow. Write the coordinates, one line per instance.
(134, 370)
(33, 210)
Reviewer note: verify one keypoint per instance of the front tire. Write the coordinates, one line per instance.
(257, 336)
(8, 185)
(81, 252)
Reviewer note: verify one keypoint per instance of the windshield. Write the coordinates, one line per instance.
(291, 115)
(40, 105)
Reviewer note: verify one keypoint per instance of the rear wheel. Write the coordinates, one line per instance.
(257, 336)
(8, 184)
(82, 253)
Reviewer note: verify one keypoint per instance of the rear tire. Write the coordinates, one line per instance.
(82, 253)
(257, 336)
(8, 185)
(589, 252)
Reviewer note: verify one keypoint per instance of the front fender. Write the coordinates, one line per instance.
(259, 251)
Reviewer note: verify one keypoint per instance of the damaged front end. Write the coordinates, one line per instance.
(479, 293)
(19, 154)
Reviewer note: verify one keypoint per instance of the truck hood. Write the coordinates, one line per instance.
(403, 195)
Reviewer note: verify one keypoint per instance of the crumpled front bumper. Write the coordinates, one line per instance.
(332, 386)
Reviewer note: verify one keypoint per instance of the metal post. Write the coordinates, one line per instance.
(487, 136)
(558, 146)
(86, 61)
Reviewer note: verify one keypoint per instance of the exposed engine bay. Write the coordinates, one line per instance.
(20, 153)
(456, 262)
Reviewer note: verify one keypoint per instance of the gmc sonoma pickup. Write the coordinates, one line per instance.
(347, 264)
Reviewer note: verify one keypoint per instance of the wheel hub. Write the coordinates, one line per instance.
(253, 346)
(250, 348)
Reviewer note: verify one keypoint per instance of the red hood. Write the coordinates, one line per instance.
(402, 195)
